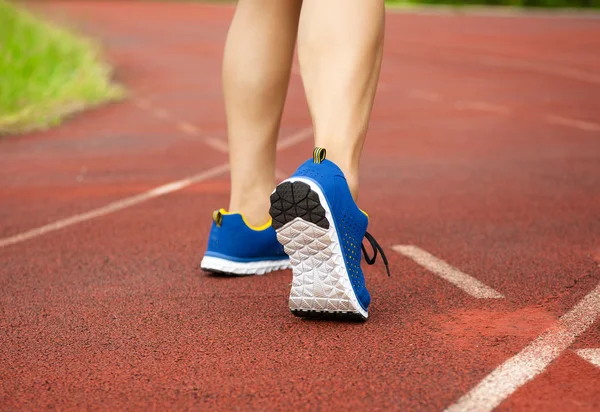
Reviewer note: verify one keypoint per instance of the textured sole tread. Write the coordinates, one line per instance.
(316, 314)
(222, 273)
(321, 288)
(296, 199)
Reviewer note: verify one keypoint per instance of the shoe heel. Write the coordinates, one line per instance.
(320, 286)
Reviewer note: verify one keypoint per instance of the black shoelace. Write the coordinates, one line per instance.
(376, 248)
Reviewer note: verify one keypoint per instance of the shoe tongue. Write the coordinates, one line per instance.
(319, 154)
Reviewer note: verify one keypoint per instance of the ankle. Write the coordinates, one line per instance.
(254, 206)
(349, 166)
(345, 155)
(352, 179)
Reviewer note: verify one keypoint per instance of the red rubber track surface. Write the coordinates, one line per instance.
(463, 159)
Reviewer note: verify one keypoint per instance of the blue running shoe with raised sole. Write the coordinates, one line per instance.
(236, 248)
(322, 229)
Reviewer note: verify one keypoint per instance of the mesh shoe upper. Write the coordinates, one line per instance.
(350, 222)
(230, 238)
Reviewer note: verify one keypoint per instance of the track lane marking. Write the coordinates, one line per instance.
(295, 138)
(590, 355)
(161, 114)
(503, 110)
(569, 122)
(115, 206)
(296, 70)
(124, 203)
(187, 128)
(459, 279)
(479, 57)
(217, 144)
(533, 359)
(481, 106)
(279, 175)
(548, 69)
(426, 95)
(430, 96)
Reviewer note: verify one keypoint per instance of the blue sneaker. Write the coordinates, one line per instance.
(322, 228)
(236, 248)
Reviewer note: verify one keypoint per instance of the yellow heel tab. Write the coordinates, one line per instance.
(257, 228)
(319, 154)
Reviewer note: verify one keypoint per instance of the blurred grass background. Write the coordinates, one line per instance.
(46, 72)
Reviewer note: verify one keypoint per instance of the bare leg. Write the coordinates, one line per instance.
(256, 72)
(340, 46)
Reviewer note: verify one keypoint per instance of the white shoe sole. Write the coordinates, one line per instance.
(228, 267)
(321, 286)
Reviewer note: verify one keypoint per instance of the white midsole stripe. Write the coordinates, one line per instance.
(243, 268)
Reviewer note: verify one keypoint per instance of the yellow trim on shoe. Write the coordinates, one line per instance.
(257, 228)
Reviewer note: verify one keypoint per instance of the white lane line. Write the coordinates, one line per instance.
(547, 68)
(161, 113)
(481, 106)
(188, 128)
(217, 144)
(475, 56)
(142, 103)
(532, 360)
(115, 206)
(459, 279)
(590, 355)
(296, 70)
(425, 95)
(185, 127)
(578, 124)
(289, 141)
(460, 104)
(295, 138)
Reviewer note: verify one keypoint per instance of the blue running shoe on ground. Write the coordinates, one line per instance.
(236, 248)
(322, 229)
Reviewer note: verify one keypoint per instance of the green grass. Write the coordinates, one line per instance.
(46, 72)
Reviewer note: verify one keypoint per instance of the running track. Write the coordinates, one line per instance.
(484, 152)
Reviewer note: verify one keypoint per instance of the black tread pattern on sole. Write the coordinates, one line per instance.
(221, 273)
(316, 314)
(296, 199)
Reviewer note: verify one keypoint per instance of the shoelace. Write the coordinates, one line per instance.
(376, 248)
